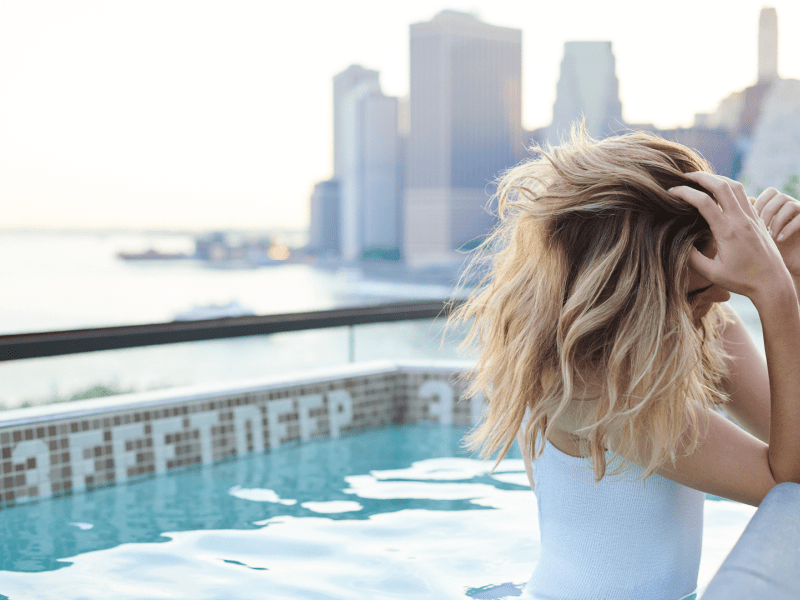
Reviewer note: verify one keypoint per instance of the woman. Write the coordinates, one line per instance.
(604, 349)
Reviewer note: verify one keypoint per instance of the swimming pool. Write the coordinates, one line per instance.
(394, 512)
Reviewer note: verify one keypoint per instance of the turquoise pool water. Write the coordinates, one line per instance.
(393, 513)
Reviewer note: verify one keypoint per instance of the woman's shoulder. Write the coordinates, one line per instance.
(565, 441)
(564, 429)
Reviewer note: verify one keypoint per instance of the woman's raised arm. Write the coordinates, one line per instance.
(749, 263)
(747, 382)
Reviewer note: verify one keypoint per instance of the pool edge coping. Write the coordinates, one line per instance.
(17, 417)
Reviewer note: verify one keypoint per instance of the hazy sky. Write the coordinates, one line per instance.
(192, 114)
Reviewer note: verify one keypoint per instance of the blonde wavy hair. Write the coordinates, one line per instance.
(583, 293)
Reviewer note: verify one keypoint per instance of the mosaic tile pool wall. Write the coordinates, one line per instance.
(60, 449)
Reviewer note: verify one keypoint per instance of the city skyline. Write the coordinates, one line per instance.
(194, 116)
(465, 128)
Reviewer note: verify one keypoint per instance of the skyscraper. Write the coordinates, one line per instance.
(366, 163)
(465, 128)
(380, 176)
(767, 45)
(773, 159)
(354, 80)
(323, 231)
(762, 118)
(587, 88)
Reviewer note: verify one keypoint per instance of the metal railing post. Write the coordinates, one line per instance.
(352, 336)
(56, 343)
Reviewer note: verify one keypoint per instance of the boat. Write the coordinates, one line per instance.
(215, 311)
(152, 254)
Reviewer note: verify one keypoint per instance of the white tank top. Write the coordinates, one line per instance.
(619, 539)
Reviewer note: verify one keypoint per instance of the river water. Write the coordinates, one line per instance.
(55, 281)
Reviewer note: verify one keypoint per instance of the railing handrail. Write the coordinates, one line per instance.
(76, 341)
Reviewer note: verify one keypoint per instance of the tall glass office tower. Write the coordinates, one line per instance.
(768, 44)
(366, 157)
(587, 89)
(465, 128)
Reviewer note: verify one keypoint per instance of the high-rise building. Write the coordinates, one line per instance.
(353, 81)
(773, 154)
(762, 118)
(464, 129)
(773, 157)
(587, 88)
(380, 177)
(366, 164)
(323, 233)
(767, 45)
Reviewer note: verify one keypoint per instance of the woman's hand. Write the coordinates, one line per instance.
(747, 261)
(781, 214)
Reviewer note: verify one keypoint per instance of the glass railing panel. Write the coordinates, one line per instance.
(61, 378)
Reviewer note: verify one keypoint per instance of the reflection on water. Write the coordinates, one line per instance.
(328, 478)
(392, 513)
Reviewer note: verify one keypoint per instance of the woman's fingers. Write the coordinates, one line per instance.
(763, 198)
(740, 193)
(746, 259)
(768, 205)
(787, 231)
(729, 194)
(785, 215)
(702, 202)
(779, 212)
(707, 267)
